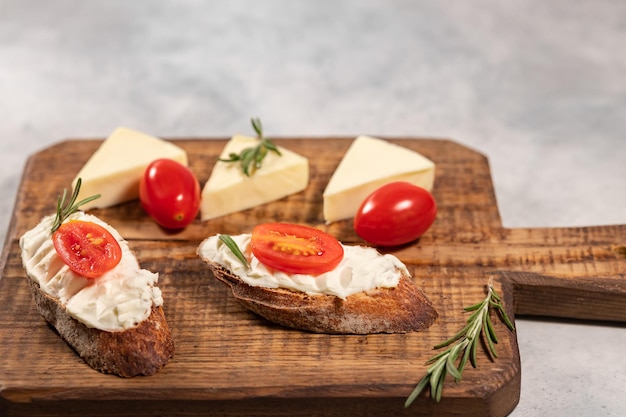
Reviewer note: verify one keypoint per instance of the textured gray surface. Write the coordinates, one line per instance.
(539, 87)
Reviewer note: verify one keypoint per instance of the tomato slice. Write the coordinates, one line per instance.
(87, 248)
(295, 249)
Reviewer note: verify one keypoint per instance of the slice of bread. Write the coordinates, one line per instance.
(140, 350)
(402, 309)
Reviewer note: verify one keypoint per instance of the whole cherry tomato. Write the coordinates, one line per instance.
(86, 248)
(395, 214)
(295, 249)
(170, 193)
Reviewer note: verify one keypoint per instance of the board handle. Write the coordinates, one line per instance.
(574, 273)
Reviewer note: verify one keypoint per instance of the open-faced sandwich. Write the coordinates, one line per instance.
(88, 284)
(300, 277)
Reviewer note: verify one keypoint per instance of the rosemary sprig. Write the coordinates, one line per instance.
(232, 245)
(251, 158)
(66, 208)
(466, 340)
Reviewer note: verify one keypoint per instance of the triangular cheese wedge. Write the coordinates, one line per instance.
(229, 190)
(115, 169)
(368, 164)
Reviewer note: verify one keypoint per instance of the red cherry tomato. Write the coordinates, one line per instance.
(295, 249)
(395, 214)
(170, 193)
(87, 248)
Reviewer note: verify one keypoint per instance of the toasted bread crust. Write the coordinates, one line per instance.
(141, 350)
(395, 310)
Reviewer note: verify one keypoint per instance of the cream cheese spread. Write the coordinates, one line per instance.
(117, 300)
(361, 269)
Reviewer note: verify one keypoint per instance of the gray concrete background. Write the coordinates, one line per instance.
(539, 87)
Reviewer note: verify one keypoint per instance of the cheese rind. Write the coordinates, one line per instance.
(228, 190)
(115, 169)
(368, 164)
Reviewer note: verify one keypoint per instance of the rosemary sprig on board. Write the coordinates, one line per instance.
(463, 344)
(251, 158)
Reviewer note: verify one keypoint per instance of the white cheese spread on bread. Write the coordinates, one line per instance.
(117, 300)
(362, 269)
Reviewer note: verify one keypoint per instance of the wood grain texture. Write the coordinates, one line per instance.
(231, 362)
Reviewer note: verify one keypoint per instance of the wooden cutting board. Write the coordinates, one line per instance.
(231, 362)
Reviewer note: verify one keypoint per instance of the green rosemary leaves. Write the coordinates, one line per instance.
(463, 345)
(252, 158)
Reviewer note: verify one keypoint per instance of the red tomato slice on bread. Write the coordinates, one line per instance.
(87, 248)
(295, 249)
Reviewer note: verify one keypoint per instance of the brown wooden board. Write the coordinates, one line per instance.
(230, 362)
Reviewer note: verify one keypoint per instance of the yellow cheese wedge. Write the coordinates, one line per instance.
(368, 164)
(228, 190)
(116, 167)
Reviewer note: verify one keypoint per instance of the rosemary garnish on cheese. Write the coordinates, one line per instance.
(251, 158)
(467, 340)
